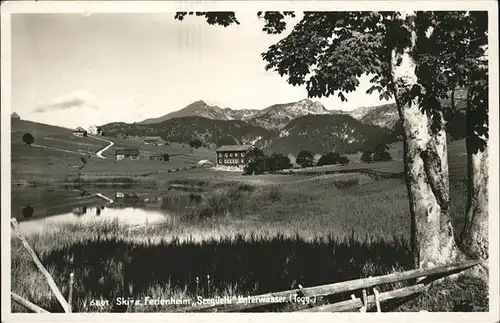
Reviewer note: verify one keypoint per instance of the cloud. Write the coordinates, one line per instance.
(76, 99)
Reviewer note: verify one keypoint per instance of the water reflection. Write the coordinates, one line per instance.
(78, 211)
(125, 216)
(128, 207)
(28, 211)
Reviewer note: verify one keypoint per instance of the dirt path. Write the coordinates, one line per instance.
(59, 149)
(99, 153)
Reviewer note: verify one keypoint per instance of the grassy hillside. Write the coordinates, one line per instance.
(56, 155)
(31, 162)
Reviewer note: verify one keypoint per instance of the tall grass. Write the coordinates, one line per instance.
(107, 267)
(239, 239)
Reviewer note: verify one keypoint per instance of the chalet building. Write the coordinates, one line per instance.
(160, 157)
(16, 116)
(80, 132)
(154, 141)
(233, 155)
(94, 130)
(127, 153)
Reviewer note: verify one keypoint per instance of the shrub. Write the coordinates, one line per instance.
(366, 157)
(28, 139)
(255, 167)
(195, 143)
(277, 161)
(381, 153)
(305, 158)
(259, 163)
(332, 158)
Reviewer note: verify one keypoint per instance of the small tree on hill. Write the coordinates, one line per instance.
(381, 153)
(305, 158)
(195, 144)
(28, 139)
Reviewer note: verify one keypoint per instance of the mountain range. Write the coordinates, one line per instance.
(286, 127)
(277, 116)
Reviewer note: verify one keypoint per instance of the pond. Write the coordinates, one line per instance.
(38, 209)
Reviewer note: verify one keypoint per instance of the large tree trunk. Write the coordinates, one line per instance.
(474, 239)
(426, 168)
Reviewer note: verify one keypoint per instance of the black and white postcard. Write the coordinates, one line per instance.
(180, 160)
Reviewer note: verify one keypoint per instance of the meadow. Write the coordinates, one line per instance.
(55, 156)
(242, 239)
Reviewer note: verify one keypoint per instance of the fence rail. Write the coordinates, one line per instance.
(341, 287)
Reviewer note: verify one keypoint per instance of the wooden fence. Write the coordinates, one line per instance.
(27, 304)
(364, 284)
(422, 277)
(366, 171)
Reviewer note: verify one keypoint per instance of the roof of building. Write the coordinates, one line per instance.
(79, 129)
(204, 161)
(234, 148)
(15, 115)
(127, 151)
(153, 138)
(159, 155)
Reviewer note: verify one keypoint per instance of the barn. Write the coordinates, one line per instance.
(155, 141)
(80, 132)
(160, 157)
(127, 153)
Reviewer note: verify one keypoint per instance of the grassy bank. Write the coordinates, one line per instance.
(241, 239)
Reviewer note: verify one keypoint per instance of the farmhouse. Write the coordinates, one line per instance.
(233, 155)
(93, 130)
(155, 141)
(126, 153)
(14, 115)
(160, 157)
(79, 132)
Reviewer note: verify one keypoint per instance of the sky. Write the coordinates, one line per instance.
(77, 70)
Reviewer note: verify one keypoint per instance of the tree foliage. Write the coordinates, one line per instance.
(28, 139)
(259, 163)
(305, 158)
(195, 143)
(329, 51)
(277, 161)
(332, 158)
(379, 154)
(367, 156)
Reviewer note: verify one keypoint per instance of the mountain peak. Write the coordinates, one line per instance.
(199, 103)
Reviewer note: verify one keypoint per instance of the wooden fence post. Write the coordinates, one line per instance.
(21, 301)
(377, 299)
(70, 293)
(364, 308)
(44, 271)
